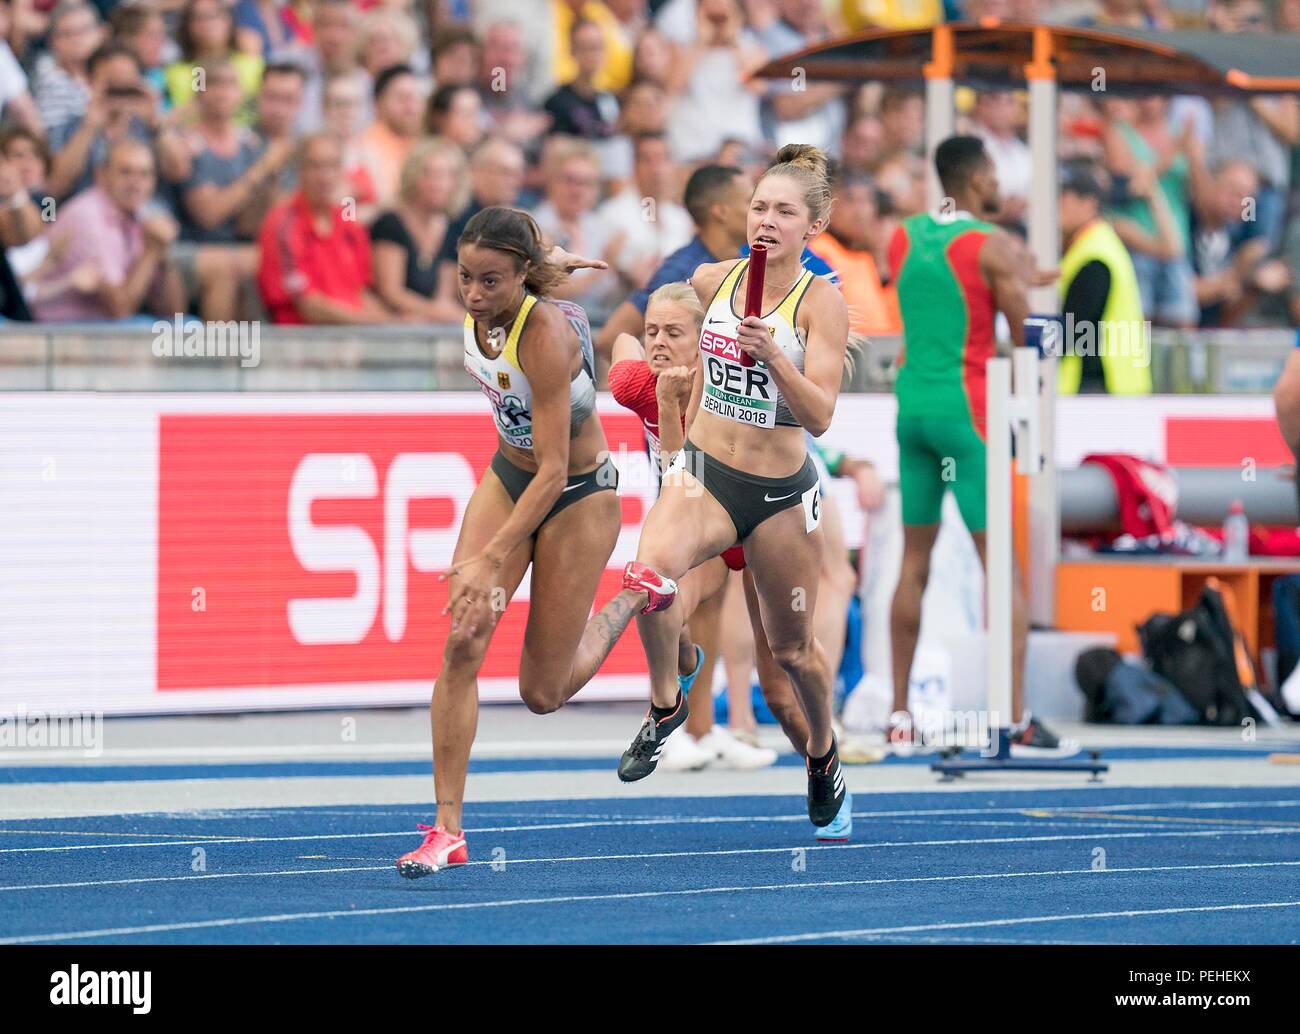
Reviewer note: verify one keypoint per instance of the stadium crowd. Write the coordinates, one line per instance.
(313, 161)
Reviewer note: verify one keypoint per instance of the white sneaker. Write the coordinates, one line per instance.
(751, 737)
(682, 753)
(729, 752)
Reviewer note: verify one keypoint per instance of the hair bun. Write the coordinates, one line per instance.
(810, 166)
(805, 156)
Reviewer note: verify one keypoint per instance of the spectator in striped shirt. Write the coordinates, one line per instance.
(62, 80)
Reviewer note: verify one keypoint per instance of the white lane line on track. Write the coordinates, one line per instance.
(629, 820)
(1102, 823)
(207, 924)
(609, 858)
(1190, 805)
(529, 750)
(919, 939)
(182, 879)
(735, 851)
(885, 931)
(714, 819)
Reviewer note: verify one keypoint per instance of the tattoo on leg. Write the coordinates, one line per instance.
(613, 619)
(603, 631)
(447, 804)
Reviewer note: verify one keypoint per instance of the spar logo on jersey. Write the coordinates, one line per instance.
(482, 377)
(736, 387)
(725, 347)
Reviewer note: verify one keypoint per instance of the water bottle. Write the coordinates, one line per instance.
(1236, 535)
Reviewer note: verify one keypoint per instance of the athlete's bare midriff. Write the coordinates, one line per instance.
(774, 452)
(587, 450)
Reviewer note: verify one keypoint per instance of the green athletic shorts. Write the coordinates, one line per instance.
(936, 453)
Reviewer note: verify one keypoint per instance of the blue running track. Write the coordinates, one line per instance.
(1094, 865)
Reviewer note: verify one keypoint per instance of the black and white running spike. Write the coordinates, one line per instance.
(640, 759)
(826, 789)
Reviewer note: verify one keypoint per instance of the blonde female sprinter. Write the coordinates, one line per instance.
(744, 474)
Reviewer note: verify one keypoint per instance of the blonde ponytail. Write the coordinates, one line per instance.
(855, 349)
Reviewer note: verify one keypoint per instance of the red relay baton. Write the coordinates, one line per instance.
(754, 290)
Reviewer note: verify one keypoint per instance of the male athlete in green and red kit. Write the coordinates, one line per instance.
(953, 272)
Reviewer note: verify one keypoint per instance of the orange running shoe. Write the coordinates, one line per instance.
(440, 850)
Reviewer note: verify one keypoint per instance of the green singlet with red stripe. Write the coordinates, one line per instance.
(948, 314)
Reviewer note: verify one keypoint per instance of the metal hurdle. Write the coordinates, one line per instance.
(1012, 416)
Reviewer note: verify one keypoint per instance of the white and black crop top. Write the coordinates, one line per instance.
(504, 383)
(736, 387)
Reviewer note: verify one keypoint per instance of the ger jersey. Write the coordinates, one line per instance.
(737, 387)
(504, 383)
(948, 312)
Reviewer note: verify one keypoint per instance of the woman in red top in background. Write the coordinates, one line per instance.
(655, 383)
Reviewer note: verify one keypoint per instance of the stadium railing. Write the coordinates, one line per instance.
(36, 357)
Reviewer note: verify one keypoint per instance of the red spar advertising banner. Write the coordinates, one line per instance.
(305, 548)
(1220, 441)
(245, 551)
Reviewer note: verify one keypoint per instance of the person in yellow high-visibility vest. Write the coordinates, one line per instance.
(1106, 347)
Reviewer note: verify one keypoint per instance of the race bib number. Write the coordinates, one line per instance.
(513, 419)
(514, 422)
(745, 394)
(812, 508)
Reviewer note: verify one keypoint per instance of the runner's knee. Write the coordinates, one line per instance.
(538, 696)
(464, 650)
(915, 572)
(662, 559)
(794, 656)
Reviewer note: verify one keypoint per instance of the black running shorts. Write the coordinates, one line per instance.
(579, 486)
(749, 499)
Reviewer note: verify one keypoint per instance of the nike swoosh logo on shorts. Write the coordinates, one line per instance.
(769, 499)
(570, 488)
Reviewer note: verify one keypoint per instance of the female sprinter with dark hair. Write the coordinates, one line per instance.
(548, 499)
(745, 475)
